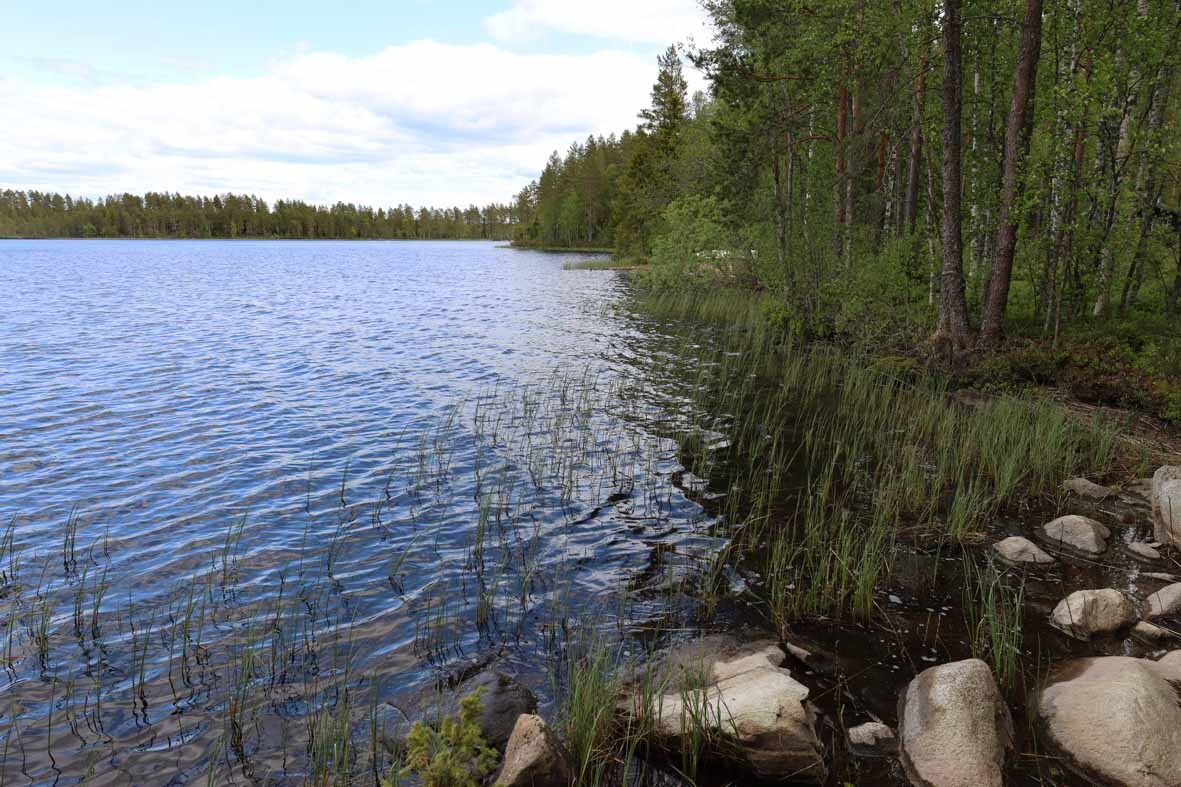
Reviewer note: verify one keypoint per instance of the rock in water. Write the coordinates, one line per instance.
(1078, 533)
(1117, 719)
(954, 727)
(1165, 602)
(745, 697)
(1142, 551)
(873, 737)
(1086, 613)
(1166, 505)
(503, 700)
(534, 757)
(1018, 550)
(1089, 489)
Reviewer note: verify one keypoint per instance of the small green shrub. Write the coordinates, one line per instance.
(456, 755)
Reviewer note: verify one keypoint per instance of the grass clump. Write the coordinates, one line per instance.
(455, 755)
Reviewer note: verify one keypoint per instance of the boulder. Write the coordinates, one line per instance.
(1151, 634)
(1019, 551)
(747, 701)
(1077, 533)
(954, 728)
(1165, 602)
(1089, 489)
(1116, 719)
(1087, 613)
(1166, 505)
(504, 699)
(873, 738)
(534, 757)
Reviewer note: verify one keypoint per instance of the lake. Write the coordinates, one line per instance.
(241, 478)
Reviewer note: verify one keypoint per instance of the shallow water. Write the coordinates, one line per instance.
(401, 455)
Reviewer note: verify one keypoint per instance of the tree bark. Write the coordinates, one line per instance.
(838, 236)
(953, 308)
(1017, 136)
(911, 201)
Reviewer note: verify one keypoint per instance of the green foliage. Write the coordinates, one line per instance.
(694, 248)
(456, 755)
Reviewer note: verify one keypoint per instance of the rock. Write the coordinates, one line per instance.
(1151, 634)
(1089, 489)
(1158, 575)
(1142, 551)
(745, 698)
(954, 728)
(1166, 505)
(534, 757)
(1165, 602)
(1018, 550)
(1117, 719)
(1078, 533)
(504, 699)
(1086, 613)
(873, 737)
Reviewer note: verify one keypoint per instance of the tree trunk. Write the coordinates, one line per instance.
(910, 207)
(838, 234)
(1017, 136)
(953, 308)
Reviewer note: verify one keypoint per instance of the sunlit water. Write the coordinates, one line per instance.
(355, 463)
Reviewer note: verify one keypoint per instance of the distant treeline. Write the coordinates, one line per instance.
(33, 214)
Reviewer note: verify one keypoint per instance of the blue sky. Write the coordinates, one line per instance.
(417, 101)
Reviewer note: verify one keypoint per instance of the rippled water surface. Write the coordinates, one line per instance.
(238, 475)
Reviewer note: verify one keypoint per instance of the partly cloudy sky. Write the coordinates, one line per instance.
(371, 101)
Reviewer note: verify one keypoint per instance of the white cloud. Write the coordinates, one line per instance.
(426, 123)
(641, 21)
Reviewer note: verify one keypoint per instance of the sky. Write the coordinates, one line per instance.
(375, 102)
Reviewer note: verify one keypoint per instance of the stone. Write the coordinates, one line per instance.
(1087, 613)
(1089, 489)
(1160, 576)
(1165, 602)
(954, 728)
(534, 757)
(1166, 505)
(1078, 533)
(1151, 634)
(1019, 550)
(1116, 719)
(1142, 551)
(873, 737)
(503, 700)
(749, 702)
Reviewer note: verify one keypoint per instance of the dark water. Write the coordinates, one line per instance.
(263, 470)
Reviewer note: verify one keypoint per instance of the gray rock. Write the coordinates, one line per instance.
(504, 699)
(1142, 551)
(1019, 550)
(1087, 613)
(955, 730)
(748, 702)
(1089, 489)
(873, 737)
(1166, 505)
(1117, 719)
(1165, 602)
(534, 757)
(1151, 634)
(1078, 533)
(1161, 576)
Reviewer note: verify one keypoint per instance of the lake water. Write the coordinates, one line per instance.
(266, 469)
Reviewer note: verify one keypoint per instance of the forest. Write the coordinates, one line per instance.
(32, 214)
(908, 171)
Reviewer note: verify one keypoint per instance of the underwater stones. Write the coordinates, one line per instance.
(1088, 489)
(1088, 613)
(872, 738)
(1143, 551)
(745, 698)
(534, 757)
(1117, 719)
(954, 728)
(1078, 533)
(1166, 505)
(1165, 602)
(1019, 550)
(1151, 634)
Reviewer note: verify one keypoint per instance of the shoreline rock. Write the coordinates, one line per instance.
(1019, 550)
(954, 728)
(534, 757)
(1087, 613)
(1077, 533)
(1166, 505)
